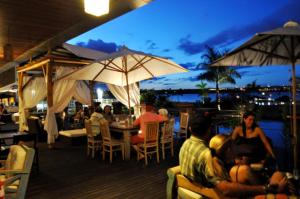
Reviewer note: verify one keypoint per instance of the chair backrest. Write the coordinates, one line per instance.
(88, 127)
(104, 129)
(151, 134)
(184, 120)
(34, 127)
(168, 129)
(20, 158)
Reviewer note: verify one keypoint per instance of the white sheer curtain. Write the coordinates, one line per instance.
(120, 93)
(33, 93)
(63, 91)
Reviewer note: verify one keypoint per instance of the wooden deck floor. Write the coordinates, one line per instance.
(66, 172)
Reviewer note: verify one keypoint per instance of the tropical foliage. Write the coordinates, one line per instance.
(218, 74)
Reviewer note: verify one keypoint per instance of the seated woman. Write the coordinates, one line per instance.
(244, 174)
(164, 113)
(249, 140)
(107, 114)
(95, 120)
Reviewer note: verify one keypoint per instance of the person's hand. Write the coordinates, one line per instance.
(281, 185)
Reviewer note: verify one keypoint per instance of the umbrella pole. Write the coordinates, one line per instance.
(295, 136)
(127, 89)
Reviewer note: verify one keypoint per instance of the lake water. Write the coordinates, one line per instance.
(195, 97)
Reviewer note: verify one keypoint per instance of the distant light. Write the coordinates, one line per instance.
(263, 93)
(99, 94)
(96, 7)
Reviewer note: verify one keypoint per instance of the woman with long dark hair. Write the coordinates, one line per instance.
(250, 140)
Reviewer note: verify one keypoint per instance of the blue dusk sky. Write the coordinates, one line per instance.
(179, 30)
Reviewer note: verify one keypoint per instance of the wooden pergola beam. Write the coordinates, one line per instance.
(32, 66)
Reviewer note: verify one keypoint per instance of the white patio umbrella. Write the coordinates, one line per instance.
(280, 46)
(125, 67)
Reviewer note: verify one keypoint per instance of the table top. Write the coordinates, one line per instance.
(123, 125)
(10, 135)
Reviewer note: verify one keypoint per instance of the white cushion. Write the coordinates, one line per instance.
(73, 133)
(187, 194)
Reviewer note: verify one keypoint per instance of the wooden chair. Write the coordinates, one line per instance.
(16, 171)
(31, 138)
(178, 185)
(150, 144)
(183, 127)
(93, 143)
(167, 141)
(109, 144)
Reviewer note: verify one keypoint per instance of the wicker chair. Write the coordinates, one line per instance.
(167, 141)
(184, 121)
(150, 144)
(16, 171)
(109, 144)
(93, 143)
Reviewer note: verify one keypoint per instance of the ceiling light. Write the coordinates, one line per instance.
(96, 7)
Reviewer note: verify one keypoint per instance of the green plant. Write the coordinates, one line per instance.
(148, 97)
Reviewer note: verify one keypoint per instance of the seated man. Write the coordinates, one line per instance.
(147, 116)
(196, 162)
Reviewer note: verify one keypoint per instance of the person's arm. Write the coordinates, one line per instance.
(235, 133)
(137, 122)
(265, 142)
(232, 189)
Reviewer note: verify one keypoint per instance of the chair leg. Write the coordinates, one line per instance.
(88, 150)
(157, 154)
(103, 153)
(172, 149)
(93, 150)
(163, 150)
(145, 154)
(110, 153)
(123, 151)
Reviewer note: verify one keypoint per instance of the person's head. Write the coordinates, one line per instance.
(98, 110)
(107, 109)
(147, 108)
(163, 112)
(200, 126)
(219, 144)
(249, 120)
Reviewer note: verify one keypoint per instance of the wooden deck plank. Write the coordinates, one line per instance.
(66, 172)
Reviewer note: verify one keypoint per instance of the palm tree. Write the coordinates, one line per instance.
(202, 90)
(216, 74)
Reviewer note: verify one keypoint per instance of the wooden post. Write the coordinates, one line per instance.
(20, 84)
(91, 87)
(294, 118)
(49, 85)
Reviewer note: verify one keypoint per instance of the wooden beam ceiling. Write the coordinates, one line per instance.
(33, 26)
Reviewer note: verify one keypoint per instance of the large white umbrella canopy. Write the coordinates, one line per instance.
(280, 46)
(125, 67)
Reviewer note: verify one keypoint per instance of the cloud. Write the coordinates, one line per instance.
(107, 47)
(288, 12)
(191, 79)
(166, 50)
(151, 45)
(189, 65)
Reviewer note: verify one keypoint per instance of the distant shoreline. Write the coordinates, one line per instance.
(222, 90)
